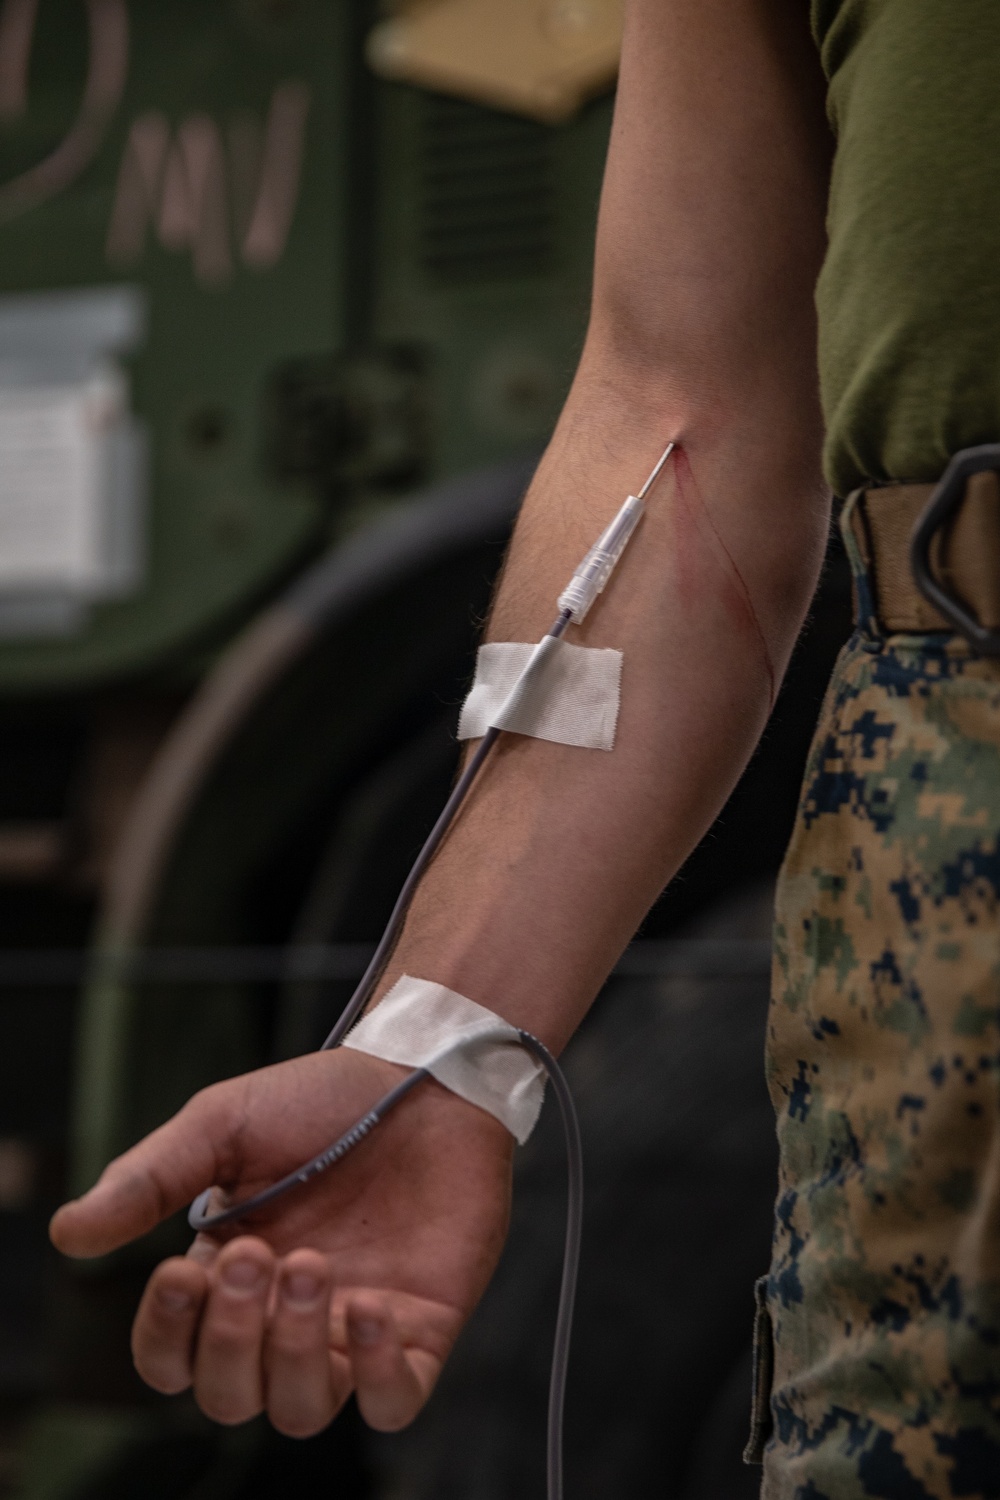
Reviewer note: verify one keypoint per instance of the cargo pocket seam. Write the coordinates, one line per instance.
(761, 1419)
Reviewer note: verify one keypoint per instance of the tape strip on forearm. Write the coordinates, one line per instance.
(467, 1048)
(552, 691)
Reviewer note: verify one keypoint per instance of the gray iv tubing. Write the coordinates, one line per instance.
(587, 583)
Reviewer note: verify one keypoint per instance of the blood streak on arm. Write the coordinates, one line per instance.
(738, 594)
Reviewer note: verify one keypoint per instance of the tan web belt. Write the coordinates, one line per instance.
(933, 551)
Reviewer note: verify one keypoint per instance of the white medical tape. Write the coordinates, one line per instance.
(553, 691)
(463, 1045)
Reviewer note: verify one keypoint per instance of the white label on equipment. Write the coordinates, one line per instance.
(54, 482)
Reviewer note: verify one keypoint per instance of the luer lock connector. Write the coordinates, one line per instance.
(592, 575)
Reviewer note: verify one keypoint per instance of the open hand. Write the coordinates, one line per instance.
(359, 1281)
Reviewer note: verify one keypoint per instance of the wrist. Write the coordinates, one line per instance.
(466, 1046)
(442, 1116)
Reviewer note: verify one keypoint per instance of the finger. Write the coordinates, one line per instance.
(164, 1329)
(301, 1398)
(391, 1384)
(157, 1177)
(228, 1383)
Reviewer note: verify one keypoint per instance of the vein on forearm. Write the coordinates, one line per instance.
(689, 494)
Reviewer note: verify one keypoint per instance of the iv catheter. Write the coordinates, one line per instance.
(587, 583)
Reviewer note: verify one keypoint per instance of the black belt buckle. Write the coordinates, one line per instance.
(944, 502)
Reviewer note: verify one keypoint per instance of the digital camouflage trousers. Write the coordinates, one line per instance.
(884, 1069)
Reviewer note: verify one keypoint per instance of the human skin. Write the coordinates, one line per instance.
(702, 330)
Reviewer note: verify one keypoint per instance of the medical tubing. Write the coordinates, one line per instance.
(571, 1264)
(200, 1220)
(449, 812)
(387, 941)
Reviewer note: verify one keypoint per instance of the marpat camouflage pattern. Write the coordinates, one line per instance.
(884, 1069)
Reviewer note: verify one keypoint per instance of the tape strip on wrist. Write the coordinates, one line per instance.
(552, 691)
(463, 1045)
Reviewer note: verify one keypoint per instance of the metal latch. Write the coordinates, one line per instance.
(943, 505)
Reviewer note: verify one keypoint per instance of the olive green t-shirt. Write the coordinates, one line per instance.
(909, 295)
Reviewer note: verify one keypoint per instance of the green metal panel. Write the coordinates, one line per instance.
(221, 526)
(457, 235)
(485, 252)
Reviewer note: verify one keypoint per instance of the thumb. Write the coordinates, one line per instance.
(150, 1182)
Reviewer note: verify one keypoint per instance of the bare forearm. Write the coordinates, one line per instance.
(561, 851)
(702, 331)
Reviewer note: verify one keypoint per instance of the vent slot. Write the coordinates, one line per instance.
(487, 206)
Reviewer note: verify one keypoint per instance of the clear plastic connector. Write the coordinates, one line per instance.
(593, 573)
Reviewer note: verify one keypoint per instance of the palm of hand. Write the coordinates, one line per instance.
(360, 1281)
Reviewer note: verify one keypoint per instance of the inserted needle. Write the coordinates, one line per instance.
(657, 471)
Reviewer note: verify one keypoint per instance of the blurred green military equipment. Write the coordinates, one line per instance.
(318, 291)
